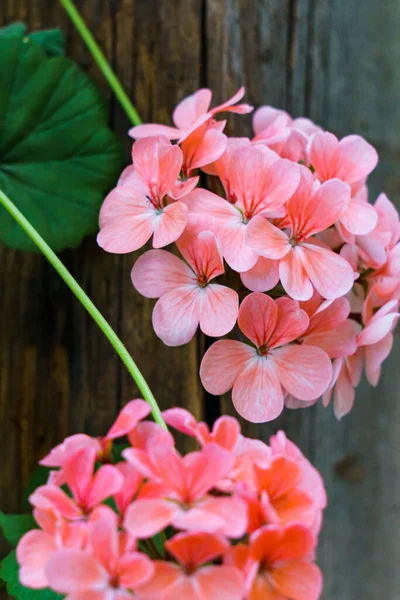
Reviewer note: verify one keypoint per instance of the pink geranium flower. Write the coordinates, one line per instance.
(109, 571)
(190, 577)
(132, 213)
(351, 159)
(88, 488)
(280, 565)
(304, 263)
(259, 374)
(191, 113)
(261, 182)
(180, 494)
(187, 295)
(36, 546)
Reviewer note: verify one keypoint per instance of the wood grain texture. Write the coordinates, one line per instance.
(333, 60)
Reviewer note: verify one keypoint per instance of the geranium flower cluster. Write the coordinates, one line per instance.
(288, 212)
(234, 520)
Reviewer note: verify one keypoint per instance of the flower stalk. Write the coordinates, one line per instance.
(88, 305)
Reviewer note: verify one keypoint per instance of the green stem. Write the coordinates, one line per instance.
(101, 61)
(88, 304)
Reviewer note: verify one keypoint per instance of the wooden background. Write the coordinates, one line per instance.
(335, 61)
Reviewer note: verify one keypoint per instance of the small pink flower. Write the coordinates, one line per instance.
(191, 113)
(35, 547)
(280, 565)
(88, 489)
(304, 262)
(261, 182)
(181, 495)
(187, 296)
(107, 570)
(258, 373)
(191, 577)
(131, 214)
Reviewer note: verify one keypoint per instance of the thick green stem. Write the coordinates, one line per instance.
(101, 61)
(88, 304)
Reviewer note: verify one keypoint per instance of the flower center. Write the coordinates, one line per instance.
(202, 280)
(262, 350)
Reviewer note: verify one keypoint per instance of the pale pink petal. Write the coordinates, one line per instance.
(135, 569)
(292, 322)
(263, 276)
(355, 159)
(266, 239)
(374, 357)
(344, 394)
(58, 455)
(228, 105)
(128, 418)
(237, 253)
(298, 580)
(359, 218)
(201, 251)
(126, 221)
(226, 432)
(375, 331)
(257, 318)
(200, 477)
(324, 207)
(219, 310)
(107, 481)
(181, 419)
(338, 341)
(265, 116)
(157, 163)
(103, 537)
(222, 582)
(331, 275)
(169, 224)
(148, 129)
(168, 578)
(33, 552)
(280, 181)
(74, 570)
(323, 150)
(50, 497)
(293, 275)
(222, 364)
(246, 181)
(78, 472)
(157, 272)
(257, 394)
(176, 315)
(144, 518)
(191, 108)
(182, 188)
(232, 511)
(198, 520)
(304, 371)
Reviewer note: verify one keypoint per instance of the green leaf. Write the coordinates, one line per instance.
(52, 40)
(9, 574)
(58, 159)
(14, 526)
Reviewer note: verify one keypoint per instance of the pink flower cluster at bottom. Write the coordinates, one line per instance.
(236, 519)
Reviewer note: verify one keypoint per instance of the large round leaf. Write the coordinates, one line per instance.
(58, 158)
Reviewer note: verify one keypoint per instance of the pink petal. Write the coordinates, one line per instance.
(323, 150)
(135, 569)
(324, 207)
(257, 394)
(232, 512)
(374, 357)
(355, 159)
(336, 342)
(33, 552)
(144, 518)
(107, 481)
(58, 455)
(263, 276)
(168, 579)
(181, 419)
(169, 224)
(292, 322)
(298, 580)
(126, 221)
(128, 418)
(202, 252)
(148, 129)
(304, 371)
(226, 432)
(202, 147)
(257, 318)
(237, 253)
(74, 570)
(191, 108)
(103, 538)
(265, 116)
(52, 497)
(194, 549)
(157, 163)
(375, 331)
(228, 105)
(359, 218)
(222, 364)
(78, 472)
(200, 475)
(157, 272)
(293, 275)
(246, 166)
(223, 582)
(266, 239)
(344, 394)
(331, 275)
(280, 181)
(182, 188)
(219, 310)
(176, 315)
